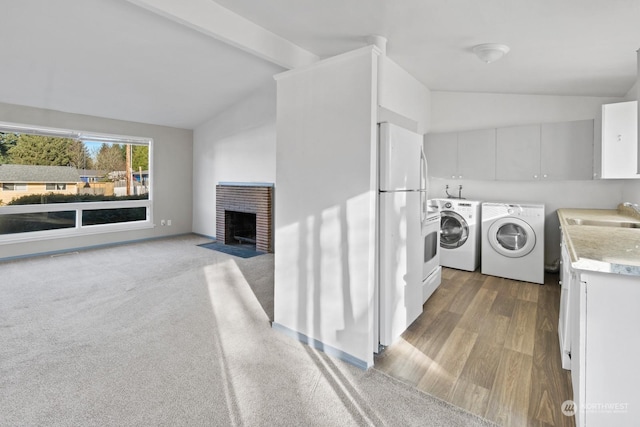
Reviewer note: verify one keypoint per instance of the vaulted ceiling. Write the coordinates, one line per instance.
(180, 63)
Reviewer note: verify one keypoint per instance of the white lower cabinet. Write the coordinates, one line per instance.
(567, 277)
(605, 350)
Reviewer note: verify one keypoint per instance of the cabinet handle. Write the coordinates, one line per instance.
(535, 176)
(544, 176)
(453, 177)
(460, 177)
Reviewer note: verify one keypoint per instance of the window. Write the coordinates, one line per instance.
(72, 182)
(10, 186)
(54, 187)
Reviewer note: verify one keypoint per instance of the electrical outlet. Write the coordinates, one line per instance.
(169, 222)
(163, 222)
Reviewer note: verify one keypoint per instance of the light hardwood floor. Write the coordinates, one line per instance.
(490, 346)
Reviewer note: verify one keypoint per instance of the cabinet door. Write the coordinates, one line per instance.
(567, 277)
(597, 149)
(578, 297)
(441, 150)
(518, 153)
(612, 349)
(620, 140)
(477, 154)
(566, 150)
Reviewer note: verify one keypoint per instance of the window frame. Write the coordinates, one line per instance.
(79, 207)
(57, 186)
(17, 186)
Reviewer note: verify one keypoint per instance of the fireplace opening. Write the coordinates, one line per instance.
(243, 199)
(240, 229)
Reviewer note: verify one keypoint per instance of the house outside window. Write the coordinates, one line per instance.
(58, 182)
(54, 187)
(11, 186)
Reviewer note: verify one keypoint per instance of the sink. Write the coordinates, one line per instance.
(600, 223)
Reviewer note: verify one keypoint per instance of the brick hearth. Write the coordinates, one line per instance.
(250, 199)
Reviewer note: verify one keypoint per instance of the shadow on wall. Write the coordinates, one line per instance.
(595, 194)
(316, 237)
(323, 280)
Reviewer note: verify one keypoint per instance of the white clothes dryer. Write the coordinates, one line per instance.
(459, 233)
(513, 241)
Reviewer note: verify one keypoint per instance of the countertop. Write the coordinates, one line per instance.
(601, 248)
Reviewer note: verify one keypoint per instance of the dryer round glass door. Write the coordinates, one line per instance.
(511, 237)
(454, 230)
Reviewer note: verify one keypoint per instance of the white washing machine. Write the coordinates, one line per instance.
(459, 233)
(513, 241)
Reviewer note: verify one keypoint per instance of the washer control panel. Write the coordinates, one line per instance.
(517, 210)
(469, 210)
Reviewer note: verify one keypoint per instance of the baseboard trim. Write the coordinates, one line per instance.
(319, 345)
(76, 249)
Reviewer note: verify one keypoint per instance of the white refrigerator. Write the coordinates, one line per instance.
(402, 177)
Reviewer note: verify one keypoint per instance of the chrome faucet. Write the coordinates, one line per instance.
(449, 196)
(632, 205)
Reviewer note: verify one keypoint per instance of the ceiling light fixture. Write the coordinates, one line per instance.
(490, 52)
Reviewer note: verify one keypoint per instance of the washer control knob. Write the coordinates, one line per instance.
(510, 211)
(448, 205)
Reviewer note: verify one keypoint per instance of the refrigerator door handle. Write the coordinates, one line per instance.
(423, 208)
(423, 186)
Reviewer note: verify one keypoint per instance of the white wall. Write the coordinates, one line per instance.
(451, 111)
(454, 111)
(325, 204)
(597, 194)
(172, 156)
(403, 100)
(236, 146)
(631, 191)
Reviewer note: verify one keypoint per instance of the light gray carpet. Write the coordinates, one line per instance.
(168, 333)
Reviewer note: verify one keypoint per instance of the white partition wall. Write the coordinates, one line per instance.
(326, 204)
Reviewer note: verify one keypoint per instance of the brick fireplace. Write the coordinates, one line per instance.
(235, 199)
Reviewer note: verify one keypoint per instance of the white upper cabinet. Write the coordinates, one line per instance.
(550, 151)
(620, 140)
(441, 150)
(518, 153)
(477, 154)
(462, 155)
(566, 150)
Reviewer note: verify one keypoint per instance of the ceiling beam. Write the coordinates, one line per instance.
(210, 18)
